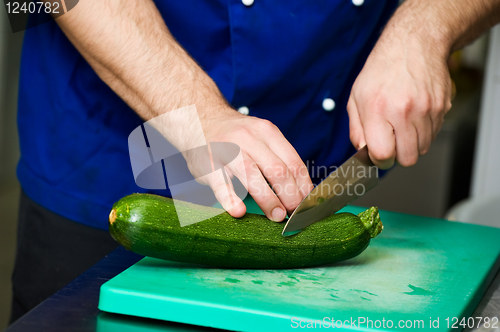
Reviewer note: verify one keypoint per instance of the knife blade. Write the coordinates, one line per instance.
(351, 180)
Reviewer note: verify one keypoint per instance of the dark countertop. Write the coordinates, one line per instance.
(74, 308)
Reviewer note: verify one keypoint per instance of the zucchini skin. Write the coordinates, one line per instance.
(148, 225)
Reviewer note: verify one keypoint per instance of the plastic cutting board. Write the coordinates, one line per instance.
(417, 270)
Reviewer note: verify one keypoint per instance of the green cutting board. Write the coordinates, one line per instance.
(418, 270)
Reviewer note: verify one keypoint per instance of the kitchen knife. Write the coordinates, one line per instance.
(351, 180)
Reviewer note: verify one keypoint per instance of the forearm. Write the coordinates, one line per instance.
(446, 25)
(129, 46)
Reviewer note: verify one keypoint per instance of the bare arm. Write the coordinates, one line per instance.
(129, 46)
(399, 100)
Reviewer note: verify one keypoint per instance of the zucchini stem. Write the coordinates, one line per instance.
(112, 216)
(371, 219)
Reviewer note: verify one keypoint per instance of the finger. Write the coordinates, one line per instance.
(424, 130)
(285, 151)
(277, 174)
(406, 143)
(221, 185)
(437, 117)
(258, 188)
(355, 128)
(437, 120)
(380, 139)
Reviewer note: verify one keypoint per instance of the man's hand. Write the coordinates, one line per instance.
(129, 46)
(267, 159)
(398, 101)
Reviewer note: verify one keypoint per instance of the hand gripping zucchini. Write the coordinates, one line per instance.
(148, 225)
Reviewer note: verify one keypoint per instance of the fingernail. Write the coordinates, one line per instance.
(277, 214)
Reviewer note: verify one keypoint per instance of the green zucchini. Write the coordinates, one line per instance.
(148, 225)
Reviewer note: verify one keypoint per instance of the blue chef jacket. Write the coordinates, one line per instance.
(281, 59)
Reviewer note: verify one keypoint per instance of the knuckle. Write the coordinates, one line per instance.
(381, 154)
(424, 150)
(422, 112)
(408, 161)
(247, 165)
(349, 104)
(213, 182)
(379, 104)
(354, 138)
(292, 204)
(296, 166)
(243, 132)
(439, 106)
(266, 125)
(355, 132)
(269, 198)
(425, 104)
(405, 107)
(276, 171)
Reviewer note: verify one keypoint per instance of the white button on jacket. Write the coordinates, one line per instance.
(247, 3)
(357, 2)
(328, 104)
(244, 110)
